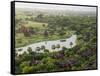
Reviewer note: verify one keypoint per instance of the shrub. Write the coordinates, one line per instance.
(58, 46)
(71, 43)
(20, 49)
(42, 47)
(53, 47)
(29, 49)
(46, 50)
(38, 49)
(64, 48)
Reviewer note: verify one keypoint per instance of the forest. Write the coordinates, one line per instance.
(33, 28)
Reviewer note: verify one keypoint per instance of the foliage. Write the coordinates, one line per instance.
(36, 28)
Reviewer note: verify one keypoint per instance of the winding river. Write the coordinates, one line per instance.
(48, 45)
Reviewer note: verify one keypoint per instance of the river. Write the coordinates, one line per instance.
(48, 45)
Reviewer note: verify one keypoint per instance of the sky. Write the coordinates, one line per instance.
(54, 7)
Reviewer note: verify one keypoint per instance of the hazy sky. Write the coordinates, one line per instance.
(54, 7)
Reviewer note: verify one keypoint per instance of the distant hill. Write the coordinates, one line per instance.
(55, 12)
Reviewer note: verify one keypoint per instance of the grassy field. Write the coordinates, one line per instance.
(21, 40)
(35, 24)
